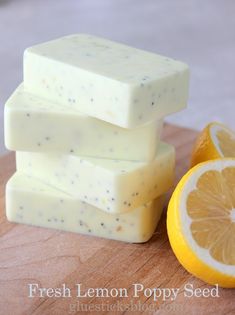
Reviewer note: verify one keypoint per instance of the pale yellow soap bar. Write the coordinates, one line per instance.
(31, 202)
(122, 85)
(37, 125)
(111, 185)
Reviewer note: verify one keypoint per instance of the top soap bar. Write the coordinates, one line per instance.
(122, 85)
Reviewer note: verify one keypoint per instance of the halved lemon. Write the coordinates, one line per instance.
(215, 141)
(201, 222)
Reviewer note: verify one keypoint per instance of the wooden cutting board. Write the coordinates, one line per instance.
(52, 258)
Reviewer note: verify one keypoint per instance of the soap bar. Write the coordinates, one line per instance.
(113, 82)
(36, 125)
(31, 202)
(111, 185)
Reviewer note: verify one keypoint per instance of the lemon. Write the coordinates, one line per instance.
(201, 222)
(215, 141)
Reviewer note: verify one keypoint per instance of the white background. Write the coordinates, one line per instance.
(199, 32)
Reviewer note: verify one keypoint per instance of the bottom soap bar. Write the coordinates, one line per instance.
(30, 201)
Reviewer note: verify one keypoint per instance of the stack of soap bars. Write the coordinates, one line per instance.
(86, 126)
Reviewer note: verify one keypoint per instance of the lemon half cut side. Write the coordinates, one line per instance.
(215, 141)
(201, 222)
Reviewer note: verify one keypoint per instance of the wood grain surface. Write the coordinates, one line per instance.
(51, 258)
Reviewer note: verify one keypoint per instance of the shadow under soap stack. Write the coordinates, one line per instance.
(86, 125)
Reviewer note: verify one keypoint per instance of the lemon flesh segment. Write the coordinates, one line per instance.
(215, 141)
(210, 207)
(201, 222)
(226, 142)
